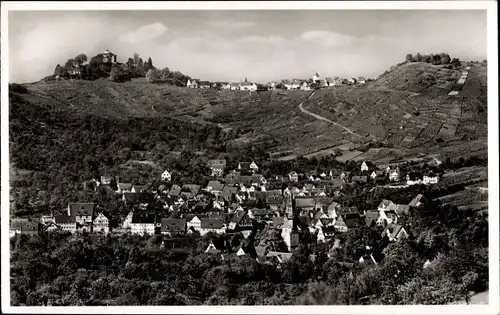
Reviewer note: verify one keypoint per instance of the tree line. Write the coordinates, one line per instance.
(435, 59)
(135, 67)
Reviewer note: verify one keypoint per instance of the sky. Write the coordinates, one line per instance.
(262, 46)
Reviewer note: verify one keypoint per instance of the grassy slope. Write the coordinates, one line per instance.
(413, 96)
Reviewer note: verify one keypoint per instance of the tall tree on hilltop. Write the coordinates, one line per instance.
(70, 64)
(58, 70)
(146, 66)
(140, 64)
(81, 59)
(150, 63)
(151, 76)
(115, 72)
(445, 58)
(136, 59)
(130, 63)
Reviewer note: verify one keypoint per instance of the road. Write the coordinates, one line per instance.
(305, 111)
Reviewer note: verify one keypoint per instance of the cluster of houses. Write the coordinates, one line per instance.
(235, 86)
(237, 202)
(295, 84)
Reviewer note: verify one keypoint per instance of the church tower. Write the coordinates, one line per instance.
(289, 231)
(316, 77)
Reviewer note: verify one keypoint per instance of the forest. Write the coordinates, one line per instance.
(62, 269)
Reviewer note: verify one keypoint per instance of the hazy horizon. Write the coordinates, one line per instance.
(219, 45)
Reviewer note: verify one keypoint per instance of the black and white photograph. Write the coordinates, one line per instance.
(215, 155)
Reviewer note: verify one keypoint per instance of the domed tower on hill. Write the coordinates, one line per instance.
(108, 56)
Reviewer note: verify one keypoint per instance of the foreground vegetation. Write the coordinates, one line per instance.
(61, 269)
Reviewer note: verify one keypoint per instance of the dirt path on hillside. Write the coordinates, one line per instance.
(305, 111)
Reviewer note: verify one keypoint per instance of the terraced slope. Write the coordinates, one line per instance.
(271, 118)
(411, 121)
(407, 109)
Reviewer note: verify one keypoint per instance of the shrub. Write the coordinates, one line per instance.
(18, 88)
(151, 76)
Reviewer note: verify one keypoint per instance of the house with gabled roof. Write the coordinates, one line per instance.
(274, 203)
(364, 167)
(195, 189)
(228, 192)
(142, 199)
(430, 178)
(83, 212)
(143, 224)
(106, 179)
(166, 176)
(331, 210)
(247, 249)
(293, 176)
(384, 204)
(388, 216)
(305, 86)
(399, 208)
(394, 232)
(216, 247)
(233, 178)
(414, 178)
(217, 167)
(306, 203)
(204, 85)
(173, 226)
(345, 176)
(235, 207)
(66, 223)
(372, 259)
(175, 191)
(325, 233)
(192, 83)
(258, 180)
(128, 220)
(101, 224)
(23, 226)
(123, 187)
(212, 225)
(192, 221)
(394, 174)
(348, 221)
(372, 218)
(248, 86)
(215, 187)
(417, 201)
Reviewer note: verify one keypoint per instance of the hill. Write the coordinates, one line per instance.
(404, 111)
(403, 114)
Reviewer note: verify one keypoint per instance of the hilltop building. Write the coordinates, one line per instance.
(108, 57)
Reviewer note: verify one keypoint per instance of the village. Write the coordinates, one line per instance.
(237, 201)
(294, 84)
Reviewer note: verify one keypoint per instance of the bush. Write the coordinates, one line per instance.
(18, 88)
(151, 76)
